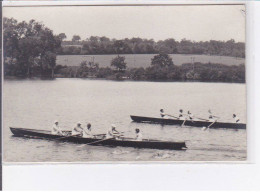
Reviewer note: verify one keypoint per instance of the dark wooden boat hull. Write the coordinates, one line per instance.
(187, 122)
(124, 142)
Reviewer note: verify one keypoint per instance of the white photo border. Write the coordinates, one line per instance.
(175, 176)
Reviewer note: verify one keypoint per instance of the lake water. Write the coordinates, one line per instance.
(36, 104)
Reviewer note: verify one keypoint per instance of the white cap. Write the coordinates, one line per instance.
(79, 123)
(56, 121)
(113, 125)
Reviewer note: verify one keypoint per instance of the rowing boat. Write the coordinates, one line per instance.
(188, 122)
(124, 142)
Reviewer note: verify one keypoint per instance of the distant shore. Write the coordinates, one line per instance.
(144, 60)
(12, 78)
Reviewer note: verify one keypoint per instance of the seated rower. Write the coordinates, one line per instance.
(56, 130)
(166, 116)
(212, 118)
(112, 132)
(163, 115)
(87, 132)
(139, 136)
(181, 116)
(236, 119)
(77, 130)
(190, 115)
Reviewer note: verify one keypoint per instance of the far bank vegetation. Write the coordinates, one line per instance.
(31, 49)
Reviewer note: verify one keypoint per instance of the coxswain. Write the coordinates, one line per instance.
(87, 132)
(112, 132)
(139, 136)
(181, 116)
(236, 119)
(77, 130)
(56, 130)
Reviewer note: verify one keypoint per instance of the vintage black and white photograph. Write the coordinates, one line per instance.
(128, 83)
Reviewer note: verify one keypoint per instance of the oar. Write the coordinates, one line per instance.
(102, 139)
(172, 116)
(99, 141)
(211, 124)
(125, 131)
(183, 122)
(67, 137)
(95, 142)
(99, 134)
(202, 119)
(205, 128)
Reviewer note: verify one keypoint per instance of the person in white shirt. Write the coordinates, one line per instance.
(166, 116)
(190, 115)
(77, 130)
(212, 118)
(112, 132)
(87, 132)
(181, 115)
(139, 136)
(56, 130)
(162, 113)
(236, 119)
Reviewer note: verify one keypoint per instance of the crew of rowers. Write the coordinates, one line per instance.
(80, 131)
(190, 116)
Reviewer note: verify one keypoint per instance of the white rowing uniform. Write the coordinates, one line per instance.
(87, 133)
(212, 119)
(56, 130)
(181, 116)
(76, 131)
(110, 133)
(190, 116)
(139, 137)
(163, 115)
(237, 120)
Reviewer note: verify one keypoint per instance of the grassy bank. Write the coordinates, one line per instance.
(144, 60)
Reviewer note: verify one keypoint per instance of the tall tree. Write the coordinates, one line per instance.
(49, 62)
(62, 36)
(119, 63)
(76, 38)
(162, 60)
(27, 45)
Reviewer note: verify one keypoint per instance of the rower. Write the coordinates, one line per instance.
(77, 130)
(87, 132)
(139, 136)
(162, 113)
(181, 116)
(112, 132)
(190, 115)
(212, 118)
(236, 119)
(56, 130)
(166, 116)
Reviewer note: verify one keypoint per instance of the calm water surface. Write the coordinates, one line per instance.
(36, 104)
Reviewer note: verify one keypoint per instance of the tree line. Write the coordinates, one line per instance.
(104, 45)
(162, 69)
(30, 49)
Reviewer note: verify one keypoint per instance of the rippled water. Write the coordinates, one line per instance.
(36, 104)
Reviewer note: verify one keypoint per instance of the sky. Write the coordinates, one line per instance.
(196, 23)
